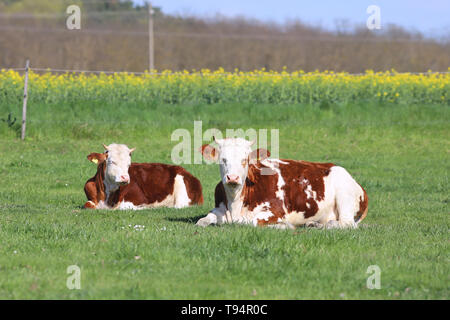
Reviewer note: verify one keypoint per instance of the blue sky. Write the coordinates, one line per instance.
(431, 17)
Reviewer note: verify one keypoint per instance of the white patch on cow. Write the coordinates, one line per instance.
(180, 193)
(296, 218)
(311, 194)
(280, 183)
(263, 207)
(260, 212)
(126, 205)
(102, 205)
(117, 165)
(168, 201)
(269, 162)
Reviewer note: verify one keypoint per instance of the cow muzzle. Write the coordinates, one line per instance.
(232, 179)
(123, 180)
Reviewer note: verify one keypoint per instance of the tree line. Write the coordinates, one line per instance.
(113, 36)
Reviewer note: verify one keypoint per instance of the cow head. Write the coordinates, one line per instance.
(234, 156)
(117, 158)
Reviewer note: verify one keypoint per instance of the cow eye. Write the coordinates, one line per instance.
(224, 161)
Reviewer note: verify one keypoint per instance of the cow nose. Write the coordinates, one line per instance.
(232, 178)
(125, 179)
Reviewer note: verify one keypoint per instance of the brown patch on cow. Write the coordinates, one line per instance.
(261, 188)
(298, 175)
(270, 220)
(149, 183)
(220, 195)
(193, 187)
(363, 207)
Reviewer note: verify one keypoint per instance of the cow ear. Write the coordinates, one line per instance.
(209, 153)
(258, 155)
(97, 158)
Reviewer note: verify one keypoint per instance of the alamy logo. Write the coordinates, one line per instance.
(374, 281)
(74, 280)
(182, 152)
(73, 21)
(374, 20)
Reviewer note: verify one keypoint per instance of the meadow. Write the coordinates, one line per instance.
(397, 150)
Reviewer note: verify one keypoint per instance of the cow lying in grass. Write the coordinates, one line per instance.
(120, 184)
(281, 193)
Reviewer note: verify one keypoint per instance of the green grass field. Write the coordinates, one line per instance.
(398, 153)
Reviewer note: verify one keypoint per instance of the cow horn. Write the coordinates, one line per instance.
(131, 150)
(105, 146)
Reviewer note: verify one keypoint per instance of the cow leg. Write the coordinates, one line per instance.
(215, 216)
(334, 224)
(90, 190)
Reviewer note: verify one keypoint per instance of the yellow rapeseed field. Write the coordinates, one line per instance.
(206, 86)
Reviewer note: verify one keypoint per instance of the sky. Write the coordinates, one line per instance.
(431, 17)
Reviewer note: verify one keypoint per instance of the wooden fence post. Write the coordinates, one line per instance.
(25, 97)
(151, 46)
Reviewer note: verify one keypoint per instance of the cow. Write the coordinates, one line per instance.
(121, 184)
(257, 190)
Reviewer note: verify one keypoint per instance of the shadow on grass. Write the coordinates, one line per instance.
(190, 220)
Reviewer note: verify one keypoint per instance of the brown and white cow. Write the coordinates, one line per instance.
(121, 184)
(281, 193)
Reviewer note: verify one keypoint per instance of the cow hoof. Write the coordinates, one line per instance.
(333, 224)
(89, 205)
(314, 224)
(203, 222)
